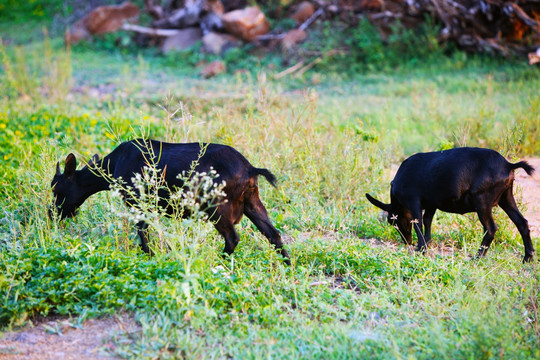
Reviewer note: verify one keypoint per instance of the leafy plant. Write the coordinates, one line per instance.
(353, 288)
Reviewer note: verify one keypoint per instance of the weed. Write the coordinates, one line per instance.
(44, 75)
(346, 295)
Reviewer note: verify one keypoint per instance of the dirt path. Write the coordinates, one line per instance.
(528, 194)
(94, 338)
(60, 339)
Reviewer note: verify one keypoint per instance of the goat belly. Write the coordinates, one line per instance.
(461, 205)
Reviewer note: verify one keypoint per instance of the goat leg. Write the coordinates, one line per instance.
(508, 204)
(417, 221)
(142, 231)
(227, 230)
(490, 228)
(428, 219)
(256, 212)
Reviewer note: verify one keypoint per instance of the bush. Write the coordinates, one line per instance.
(21, 11)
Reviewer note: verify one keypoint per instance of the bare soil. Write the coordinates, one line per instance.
(53, 339)
(528, 196)
(61, 338)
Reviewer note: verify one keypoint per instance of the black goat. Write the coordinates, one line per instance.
(458, 181)
(73, 187)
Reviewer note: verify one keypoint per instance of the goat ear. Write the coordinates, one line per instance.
(70, 165)
(58, 172)
(379, 204)
(93, 160)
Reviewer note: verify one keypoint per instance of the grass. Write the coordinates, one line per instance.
(329, 138)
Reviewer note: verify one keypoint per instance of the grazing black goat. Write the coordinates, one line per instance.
(73, 187)
(458, 181)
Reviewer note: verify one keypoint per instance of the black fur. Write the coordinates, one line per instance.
(458, 181)
(73, 187)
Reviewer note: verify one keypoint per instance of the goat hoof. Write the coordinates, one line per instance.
(226, 255)
(527, 258)
(421, 249)
(481, 253)
(285, 256)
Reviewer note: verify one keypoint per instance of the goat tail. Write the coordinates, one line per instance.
(524, 165)
(264, 172)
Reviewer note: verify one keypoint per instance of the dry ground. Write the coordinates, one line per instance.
(61, 339)
(93, 339)
(529, 189)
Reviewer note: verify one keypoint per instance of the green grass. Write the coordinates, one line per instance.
(329, 137)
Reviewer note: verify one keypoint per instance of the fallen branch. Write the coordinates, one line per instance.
(311, 19)
(302, 27)
(486, 45)
(385, 14)
(150, 31)
(318, 60)
(300, 68)
(522, 15)
(309, 66)
(270, 37)
(289, 70)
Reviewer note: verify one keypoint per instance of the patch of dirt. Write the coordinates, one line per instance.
(529, 193)
(63, 339)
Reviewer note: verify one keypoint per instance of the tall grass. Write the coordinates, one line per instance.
(36, 77)
(353, 291)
